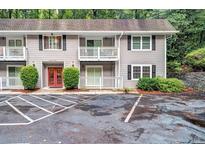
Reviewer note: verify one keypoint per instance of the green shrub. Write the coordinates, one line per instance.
(29, 77)
(71, 77)
(161, 84)
(174, 66)
(171, 85)
(196, 59)
(148, 84)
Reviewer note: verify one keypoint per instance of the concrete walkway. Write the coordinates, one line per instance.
(60, 91)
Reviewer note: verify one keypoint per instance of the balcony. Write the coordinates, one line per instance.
(98, 54)
(12, 53)
(10, 83)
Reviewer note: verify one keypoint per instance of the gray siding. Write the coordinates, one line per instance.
(37, 57)
(142, 57)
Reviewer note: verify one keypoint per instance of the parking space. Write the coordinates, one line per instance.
(27, 109)
(101, 118)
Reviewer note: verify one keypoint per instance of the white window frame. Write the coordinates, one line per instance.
(93, 66)
(53, 49)
(14, 38)
(141, 49)
(141, 70)
(7, 68)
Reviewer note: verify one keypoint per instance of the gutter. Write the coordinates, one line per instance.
(119, 52)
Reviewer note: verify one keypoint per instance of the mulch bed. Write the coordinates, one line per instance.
(186, 91)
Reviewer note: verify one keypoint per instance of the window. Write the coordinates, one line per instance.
(13, 71)
(52, 42)
(108, 41)
(141, 43)
(15, 43)
(139, 71)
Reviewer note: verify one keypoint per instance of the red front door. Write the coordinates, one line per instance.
(55, 77)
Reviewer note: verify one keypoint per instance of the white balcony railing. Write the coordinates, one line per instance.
(12, 53)
(10, 83)
(101, 82)
(98, 53)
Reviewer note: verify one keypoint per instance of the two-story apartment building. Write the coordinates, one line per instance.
(110, 53)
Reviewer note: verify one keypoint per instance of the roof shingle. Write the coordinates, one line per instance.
(85, 25)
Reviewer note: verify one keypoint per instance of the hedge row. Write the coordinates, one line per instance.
(161, 84)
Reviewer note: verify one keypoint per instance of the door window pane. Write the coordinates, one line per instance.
(18, 43)
(11, 43)
(14, 71)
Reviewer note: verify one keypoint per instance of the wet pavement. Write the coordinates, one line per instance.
(100, 119)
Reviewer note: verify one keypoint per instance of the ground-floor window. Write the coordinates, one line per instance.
(14, 71)
(140, 71)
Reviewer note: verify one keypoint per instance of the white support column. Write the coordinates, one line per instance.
(0, 83)
(4, 53)
(98, 53)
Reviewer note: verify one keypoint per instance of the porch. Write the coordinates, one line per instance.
(98, 48)
(9, 75)
(12, 48)
(99, 75)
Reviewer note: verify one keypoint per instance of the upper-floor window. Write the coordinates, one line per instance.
(15, 42)
(141, 43)
(53, 42)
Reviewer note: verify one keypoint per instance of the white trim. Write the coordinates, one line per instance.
(165, 56)
(93, 66)
(41, 74)
(141, 43)
(141, 70)
(52, 49)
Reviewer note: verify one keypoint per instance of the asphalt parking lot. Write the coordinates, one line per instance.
(101, 118)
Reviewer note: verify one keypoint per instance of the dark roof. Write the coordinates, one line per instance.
(86, 25)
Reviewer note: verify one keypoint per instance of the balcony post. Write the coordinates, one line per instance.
(4, 53)
(98, 53)
(24, 53)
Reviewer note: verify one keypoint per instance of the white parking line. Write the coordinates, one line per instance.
(18, 111)
(47, 101)
(34, 104)
(132, 110)
(62, 99)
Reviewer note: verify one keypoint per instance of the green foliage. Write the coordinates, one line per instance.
(174, 66)
(171, 85)
(148, 84)
(29, 77)
(71, 77)
(196, 59)
(161, 84)
(189, 23)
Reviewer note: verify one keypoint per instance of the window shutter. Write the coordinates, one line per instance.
(40, 42)
(129, 42)
(153, 42)
(24, 41)
(129, 72)
(153, 71)
(64, 42)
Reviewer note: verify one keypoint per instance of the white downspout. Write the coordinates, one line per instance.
(165, 55)
(119, 55)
